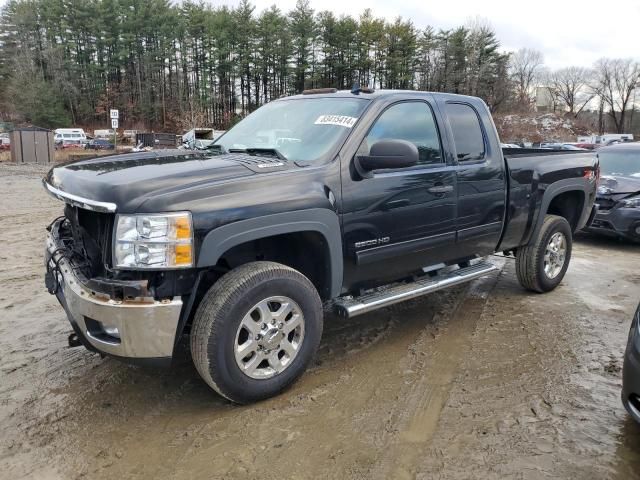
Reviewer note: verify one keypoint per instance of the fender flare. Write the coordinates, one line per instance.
(320, 220)
(557, 188)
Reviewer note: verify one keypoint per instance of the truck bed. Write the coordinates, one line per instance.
(530, 172)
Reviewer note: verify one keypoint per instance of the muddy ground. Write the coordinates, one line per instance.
(485, 381)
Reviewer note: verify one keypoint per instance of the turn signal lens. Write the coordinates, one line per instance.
(183, 228)
(183, 256)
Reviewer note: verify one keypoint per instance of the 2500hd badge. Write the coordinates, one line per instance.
(371, 243)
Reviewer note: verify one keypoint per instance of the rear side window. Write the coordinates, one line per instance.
(467, 133)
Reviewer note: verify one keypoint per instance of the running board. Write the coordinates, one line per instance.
(351, 307)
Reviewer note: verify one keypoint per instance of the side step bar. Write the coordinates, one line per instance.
(350, 307)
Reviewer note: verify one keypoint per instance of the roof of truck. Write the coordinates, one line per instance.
(325, 92)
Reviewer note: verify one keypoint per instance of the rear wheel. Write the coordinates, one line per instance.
(256, 330)
(541, 266)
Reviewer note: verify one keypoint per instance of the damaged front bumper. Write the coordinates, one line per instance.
(617, 221)
(134, 329)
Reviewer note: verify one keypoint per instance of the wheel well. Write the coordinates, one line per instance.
(306, 252)
(568, 205)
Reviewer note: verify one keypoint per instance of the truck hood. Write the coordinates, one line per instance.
(617, 187)
(127, 180)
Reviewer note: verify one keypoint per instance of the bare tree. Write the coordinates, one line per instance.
(616, 79)
(571, 87)
(525, 66)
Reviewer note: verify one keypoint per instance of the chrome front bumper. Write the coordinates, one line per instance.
(147, 328)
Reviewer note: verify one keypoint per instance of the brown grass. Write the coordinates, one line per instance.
(63, 156)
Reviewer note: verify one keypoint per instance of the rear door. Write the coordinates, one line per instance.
(481, 182)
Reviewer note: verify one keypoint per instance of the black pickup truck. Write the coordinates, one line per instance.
(323, 196)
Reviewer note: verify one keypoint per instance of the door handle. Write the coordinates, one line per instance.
(441, 189)
(403, 202)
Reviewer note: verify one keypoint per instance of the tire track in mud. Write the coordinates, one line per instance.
(322, 427)
(339, 422)
(539, 387)
(424, 399)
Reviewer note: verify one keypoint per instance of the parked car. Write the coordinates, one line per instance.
(587, 146)
(569, 146)
(618, 195)
(69, 144)
(100, 144)
(509, 145)
(631, 370)
(321, 196)
(560, 146)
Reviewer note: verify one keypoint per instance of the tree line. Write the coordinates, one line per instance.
(168, 65)
(172, 66)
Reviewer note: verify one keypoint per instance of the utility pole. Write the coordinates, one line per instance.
(633, 108)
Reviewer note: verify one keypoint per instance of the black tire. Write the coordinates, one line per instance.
(218, 317)
(530, 259)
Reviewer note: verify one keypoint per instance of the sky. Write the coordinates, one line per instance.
(567, 32)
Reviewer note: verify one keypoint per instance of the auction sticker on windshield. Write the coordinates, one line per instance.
(340, 120)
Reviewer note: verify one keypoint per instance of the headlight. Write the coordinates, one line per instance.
(633, 202)
(153, 241)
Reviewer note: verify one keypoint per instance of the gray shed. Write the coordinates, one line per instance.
(32, 145)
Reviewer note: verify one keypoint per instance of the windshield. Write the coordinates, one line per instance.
(300, 130)
(623, 163)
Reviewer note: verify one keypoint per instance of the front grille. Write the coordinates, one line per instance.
(91, 237)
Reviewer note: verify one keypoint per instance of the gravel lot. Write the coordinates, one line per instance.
(484, 381)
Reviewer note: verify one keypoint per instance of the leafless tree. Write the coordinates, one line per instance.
(571, 87)
(616, 79)
(525, 66)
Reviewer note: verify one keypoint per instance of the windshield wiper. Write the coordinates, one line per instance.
(259, 152)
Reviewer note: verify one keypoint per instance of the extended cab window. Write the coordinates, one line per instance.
(411, 121)
(467, 133)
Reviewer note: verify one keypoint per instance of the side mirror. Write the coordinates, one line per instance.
(386, 154)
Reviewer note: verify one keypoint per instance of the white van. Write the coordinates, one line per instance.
(69, 135)
(607, 137)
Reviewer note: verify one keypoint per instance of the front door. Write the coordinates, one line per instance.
(398, 220)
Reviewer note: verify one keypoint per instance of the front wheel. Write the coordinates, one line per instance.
(256, 331)
(541, 266)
